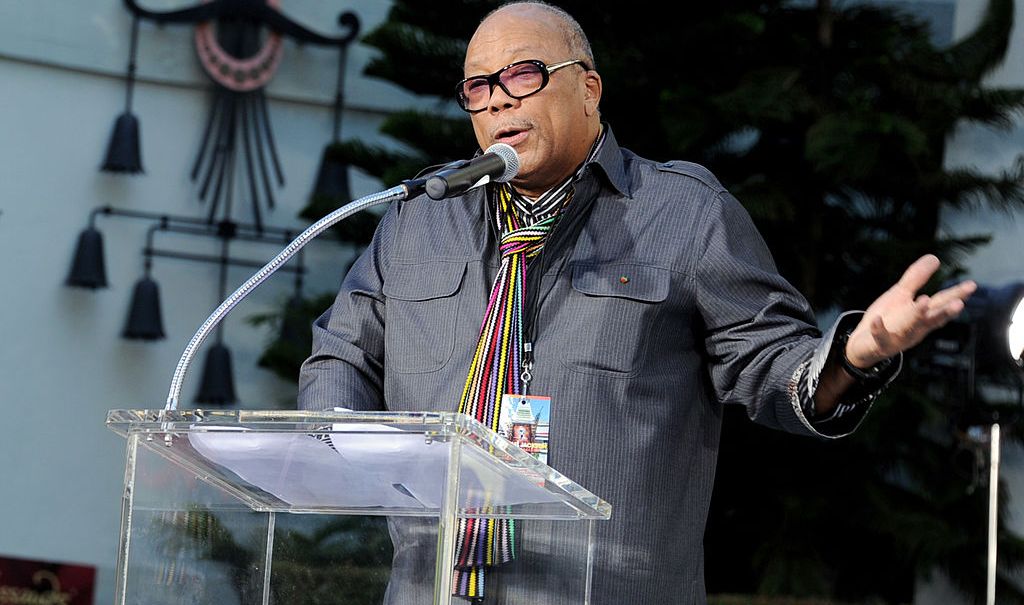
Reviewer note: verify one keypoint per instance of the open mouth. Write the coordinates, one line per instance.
(510, 136)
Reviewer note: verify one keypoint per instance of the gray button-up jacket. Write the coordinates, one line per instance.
(667, 307)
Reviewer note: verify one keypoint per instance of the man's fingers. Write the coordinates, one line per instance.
(918, 273)
(961, 291)
(949, 303)
(940, 314)
(910, 317)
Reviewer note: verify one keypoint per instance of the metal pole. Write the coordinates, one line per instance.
(993, 493)
(448, 520)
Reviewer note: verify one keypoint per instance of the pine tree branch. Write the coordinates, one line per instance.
(968, 188)
(439, 138)
(418, 60)
(442, 18)
(997, 107)
(375, 160)
(984, 48)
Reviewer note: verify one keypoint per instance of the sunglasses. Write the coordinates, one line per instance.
(519, 80)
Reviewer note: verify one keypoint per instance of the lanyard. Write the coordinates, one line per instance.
(564, 235)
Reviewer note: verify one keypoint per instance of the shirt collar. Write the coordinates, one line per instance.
(551, 201)
(609, 160)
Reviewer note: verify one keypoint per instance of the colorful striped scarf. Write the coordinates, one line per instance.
(497, 366)
(496, 370)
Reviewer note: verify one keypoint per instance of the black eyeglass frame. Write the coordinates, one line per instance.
(495, 79)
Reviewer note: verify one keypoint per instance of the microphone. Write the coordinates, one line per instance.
(499, 164)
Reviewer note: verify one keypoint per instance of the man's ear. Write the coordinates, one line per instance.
(593, 93)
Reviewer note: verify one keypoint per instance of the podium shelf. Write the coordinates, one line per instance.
(366, 463)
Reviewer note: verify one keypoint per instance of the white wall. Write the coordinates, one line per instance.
(991, 151)
(62, 361)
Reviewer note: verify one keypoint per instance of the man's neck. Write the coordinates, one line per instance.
(531, 195)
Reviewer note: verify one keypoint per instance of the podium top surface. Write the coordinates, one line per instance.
(387, 463)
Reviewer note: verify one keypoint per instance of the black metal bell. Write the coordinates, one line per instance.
(217, 386)
(144, 318)
(88, 268)
(123, 151)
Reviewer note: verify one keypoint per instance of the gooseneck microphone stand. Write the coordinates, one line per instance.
(404, 191)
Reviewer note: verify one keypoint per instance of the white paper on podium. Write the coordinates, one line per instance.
(418, 468)
(408, 464)
(358, 466)
(298, 469)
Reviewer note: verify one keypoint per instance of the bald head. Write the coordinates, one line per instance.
(552, 128)
(568, 28)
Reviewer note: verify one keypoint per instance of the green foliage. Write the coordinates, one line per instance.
(345, 560)
(316, 560)
(428, 58)
(292, 340)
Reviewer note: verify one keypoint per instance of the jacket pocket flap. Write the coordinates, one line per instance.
(423, 281)
(635, 282)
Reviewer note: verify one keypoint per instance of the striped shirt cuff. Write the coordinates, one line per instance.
(855, 402)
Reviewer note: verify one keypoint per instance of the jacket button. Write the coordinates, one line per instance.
(623, 280)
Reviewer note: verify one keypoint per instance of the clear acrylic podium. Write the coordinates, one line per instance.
(352, 508)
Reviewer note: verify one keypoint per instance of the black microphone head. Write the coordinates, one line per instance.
(511, 158)
(478, 171)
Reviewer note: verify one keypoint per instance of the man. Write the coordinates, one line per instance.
(650, 300)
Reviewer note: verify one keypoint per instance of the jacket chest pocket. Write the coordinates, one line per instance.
(422, 309)
(611, 311)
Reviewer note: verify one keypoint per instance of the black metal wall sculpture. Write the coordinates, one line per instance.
(144, 320)
(124, 153)
(239, 45)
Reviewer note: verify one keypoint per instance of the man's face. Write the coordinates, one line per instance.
(551, 130)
